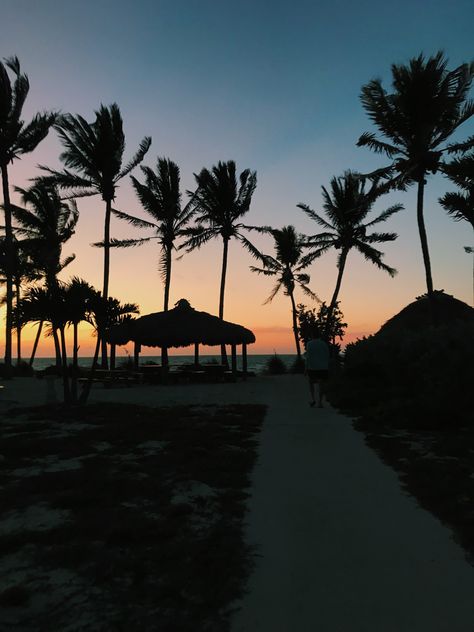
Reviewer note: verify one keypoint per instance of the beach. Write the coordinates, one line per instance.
(338, 545)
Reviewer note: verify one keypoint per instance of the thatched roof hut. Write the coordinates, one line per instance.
(417, 315)
(180, 327)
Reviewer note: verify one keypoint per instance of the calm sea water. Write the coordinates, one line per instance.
(256, 363)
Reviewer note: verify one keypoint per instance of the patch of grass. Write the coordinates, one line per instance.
(434, 466)
(151, 558)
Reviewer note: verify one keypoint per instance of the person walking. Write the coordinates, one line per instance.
(317, 365)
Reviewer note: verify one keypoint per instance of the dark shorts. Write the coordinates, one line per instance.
(317, 374)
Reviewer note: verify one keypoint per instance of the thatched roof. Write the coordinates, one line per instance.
(417, 315)
(180, 327)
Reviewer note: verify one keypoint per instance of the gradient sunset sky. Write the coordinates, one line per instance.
(272, 85)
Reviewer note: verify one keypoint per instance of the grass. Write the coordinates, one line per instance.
(120, 517)
(434, 464)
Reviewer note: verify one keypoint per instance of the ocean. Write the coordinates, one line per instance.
(256, 363)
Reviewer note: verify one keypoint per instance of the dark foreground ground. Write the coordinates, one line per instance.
(121, 517)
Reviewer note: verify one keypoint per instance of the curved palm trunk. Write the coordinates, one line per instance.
(295, 325)
(35, 345)
(88, 385)
(67, 392)
(105, 288)
(18, 324)
(222, 293)
(164, 350)
(423, 237)
(424, 248)
(75, 371)
(332, 305)
(8, 267)
(57, 347)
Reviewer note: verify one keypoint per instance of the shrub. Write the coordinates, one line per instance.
(275, 365)
(298, 366)
(423, 378)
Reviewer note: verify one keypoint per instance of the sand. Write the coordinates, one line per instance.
(340, 547)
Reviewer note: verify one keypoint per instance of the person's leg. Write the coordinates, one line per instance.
(311, 390)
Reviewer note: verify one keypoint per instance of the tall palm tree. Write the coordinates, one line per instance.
(427, 105)
(347, 205)
(460, 205)
(160, 197)
(287, 266)
(46, 223)
(93, 155)
(16, 139)
(220, 201)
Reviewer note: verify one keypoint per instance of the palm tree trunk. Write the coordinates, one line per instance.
(57, 347)
(332, 305)
(67, 392)
(8, 267)
(222, 293)
(295, 325)
(74, 363)
(35, 344)
(423, 237)
(18, 324)
(88, 385)
(105, 289)
(164, 350)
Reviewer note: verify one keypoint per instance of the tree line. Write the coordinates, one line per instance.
(416, 118)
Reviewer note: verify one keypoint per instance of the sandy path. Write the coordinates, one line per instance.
(341, 548)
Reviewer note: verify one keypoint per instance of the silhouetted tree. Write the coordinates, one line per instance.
(460, 205)
(287, 266)
(347, 205)
(46, 223)
(16, 139)
(93, 154)
(220, 201)
(427, 105)
(324, 320)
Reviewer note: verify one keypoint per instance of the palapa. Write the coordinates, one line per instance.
(180, 327)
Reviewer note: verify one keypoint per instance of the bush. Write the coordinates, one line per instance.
(275, 366)
(422, 378)
(298, 366)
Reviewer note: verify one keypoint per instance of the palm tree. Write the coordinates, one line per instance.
(460, 205)
(46, 223)
(220, 201)
(427, 105)
(160, 197)
(102, 315)
(16, 139)
(93, 154)
(287, 266)
(347, 205)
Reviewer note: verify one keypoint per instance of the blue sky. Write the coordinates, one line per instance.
(274, 86)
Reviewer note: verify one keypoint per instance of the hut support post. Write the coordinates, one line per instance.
(244, 360)
(234, 359)
(196, 354)
(164, 356)
(136, 355)
(112, 356)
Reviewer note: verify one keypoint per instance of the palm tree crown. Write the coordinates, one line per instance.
(219, 202)
(427, 105)
(160, 196)
(460, 205)
(46, 226)
(347, 205)
(287, 265)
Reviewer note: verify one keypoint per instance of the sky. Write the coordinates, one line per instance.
(272, 85)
